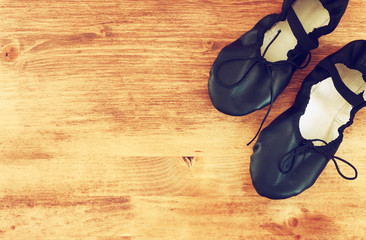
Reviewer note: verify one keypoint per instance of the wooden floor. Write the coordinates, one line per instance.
(108, 133)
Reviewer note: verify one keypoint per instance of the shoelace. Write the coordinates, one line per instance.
(286, 166)
(268, 67)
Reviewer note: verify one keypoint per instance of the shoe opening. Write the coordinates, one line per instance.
(311, 14)
(327, 110)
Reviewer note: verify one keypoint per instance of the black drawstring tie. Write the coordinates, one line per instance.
(289, 161)
(268, 67)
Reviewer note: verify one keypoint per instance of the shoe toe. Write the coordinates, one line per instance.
(227, 100)
(239, 87)
(269, 181)
(266, 177)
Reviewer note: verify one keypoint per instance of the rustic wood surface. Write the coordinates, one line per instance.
(107, 130)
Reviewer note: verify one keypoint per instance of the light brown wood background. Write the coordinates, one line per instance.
(107, 130)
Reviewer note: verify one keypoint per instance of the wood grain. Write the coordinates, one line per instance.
(107, 130)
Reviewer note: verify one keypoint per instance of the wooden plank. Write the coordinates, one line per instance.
(107, 130)
(63, 217)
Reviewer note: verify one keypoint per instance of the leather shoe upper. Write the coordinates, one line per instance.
(242, 80)
(284, 163)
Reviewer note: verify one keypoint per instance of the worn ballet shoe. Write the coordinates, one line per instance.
(293, 150)
(251, 72)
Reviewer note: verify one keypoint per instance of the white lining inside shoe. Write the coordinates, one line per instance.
(327, 110)
(311, 14)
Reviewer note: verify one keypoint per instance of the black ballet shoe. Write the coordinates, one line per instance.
(293, 150)
(251, 72)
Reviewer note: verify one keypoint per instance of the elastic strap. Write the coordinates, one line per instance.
(299, 32)
(351, 97)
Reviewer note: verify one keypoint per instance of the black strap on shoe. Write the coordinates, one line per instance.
(289, 161)
(351, 97)
(299, 32)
